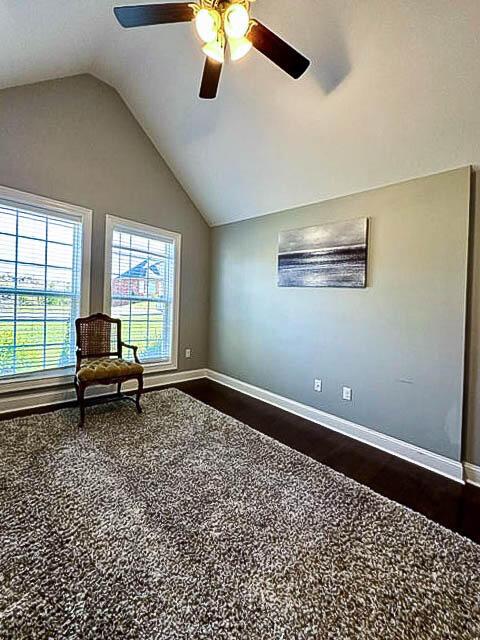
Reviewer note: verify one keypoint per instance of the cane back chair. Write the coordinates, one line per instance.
(99, 358)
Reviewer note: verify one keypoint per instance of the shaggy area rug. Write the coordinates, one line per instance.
(183, 523)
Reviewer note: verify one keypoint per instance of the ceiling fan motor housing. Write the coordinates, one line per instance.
(222, 5)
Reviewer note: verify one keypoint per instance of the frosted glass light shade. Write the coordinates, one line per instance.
(207, 23)
(239, 47)
(236, 21)
(214, 50)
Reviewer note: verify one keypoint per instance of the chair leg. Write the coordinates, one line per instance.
(139, 393)
(119, 389)
(81, 402)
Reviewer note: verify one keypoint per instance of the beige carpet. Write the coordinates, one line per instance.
(183, 523)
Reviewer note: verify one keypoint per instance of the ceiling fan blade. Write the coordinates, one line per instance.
(146, 14)
(211, 78)
(278, 51)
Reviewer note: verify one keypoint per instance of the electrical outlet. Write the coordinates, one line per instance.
(317, 385)
(347, 394)
(188, 353)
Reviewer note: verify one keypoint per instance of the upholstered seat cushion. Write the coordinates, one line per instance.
(108, 369)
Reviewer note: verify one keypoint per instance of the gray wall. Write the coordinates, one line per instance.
(75, 140)
(399, 343)
(472, 435)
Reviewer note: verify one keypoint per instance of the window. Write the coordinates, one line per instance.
(41, 276)
(141, 287)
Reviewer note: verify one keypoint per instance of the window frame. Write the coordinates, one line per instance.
(52, 377)
(110, 222)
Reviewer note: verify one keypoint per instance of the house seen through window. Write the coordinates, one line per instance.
(143, 276)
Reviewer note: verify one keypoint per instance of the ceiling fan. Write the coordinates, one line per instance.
(218, 23)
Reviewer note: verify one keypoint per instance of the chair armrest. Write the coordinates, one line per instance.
(134, 349)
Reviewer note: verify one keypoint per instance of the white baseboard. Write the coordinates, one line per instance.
(50, 396)
(472, 473)
(422, 457)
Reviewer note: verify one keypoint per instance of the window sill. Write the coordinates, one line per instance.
(28, 382)
(158, 367)
(61, 377)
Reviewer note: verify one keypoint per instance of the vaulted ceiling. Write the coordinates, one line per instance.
(393, 93)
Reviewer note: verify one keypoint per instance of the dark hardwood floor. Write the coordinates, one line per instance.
(449, 503)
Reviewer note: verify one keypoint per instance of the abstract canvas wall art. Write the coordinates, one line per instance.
(329, 255)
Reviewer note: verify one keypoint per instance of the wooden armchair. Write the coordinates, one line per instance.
(99, 358)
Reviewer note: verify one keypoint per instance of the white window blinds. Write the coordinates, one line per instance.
(142, 288)
(40, 288)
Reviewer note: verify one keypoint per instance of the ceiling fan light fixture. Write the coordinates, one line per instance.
(239, 47)
(215, 50)
(236, 21)
(207, 24)
(218, 23)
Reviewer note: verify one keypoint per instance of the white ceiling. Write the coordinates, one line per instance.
(393, 93)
